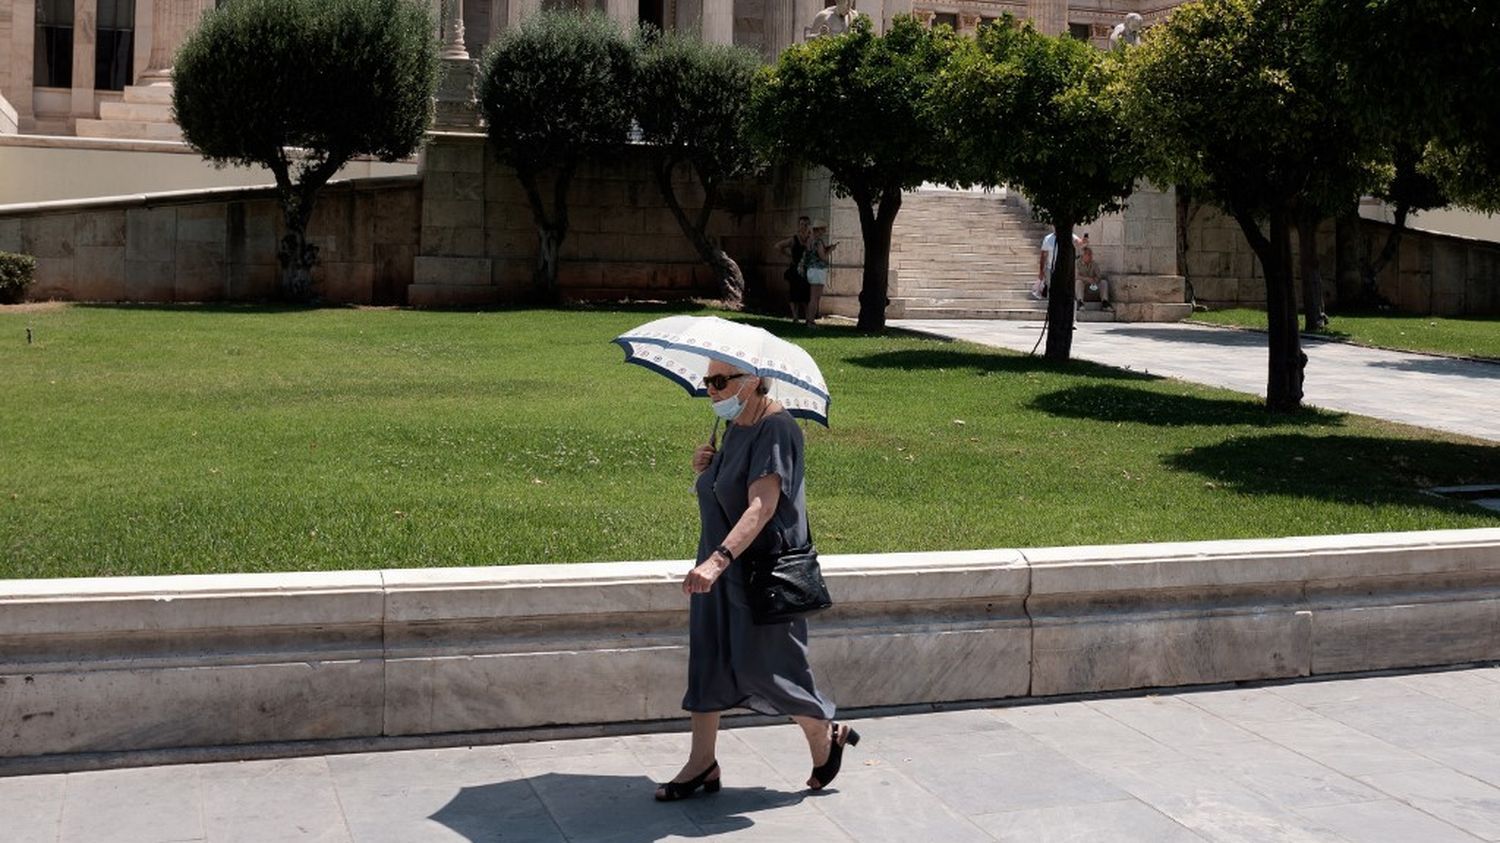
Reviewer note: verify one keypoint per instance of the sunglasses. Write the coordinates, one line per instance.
(718, 382)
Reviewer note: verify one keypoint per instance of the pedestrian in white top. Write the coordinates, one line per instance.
(1047, 259)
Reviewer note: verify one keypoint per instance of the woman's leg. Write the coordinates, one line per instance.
(812, 303)
(819, 738)
(705, 745)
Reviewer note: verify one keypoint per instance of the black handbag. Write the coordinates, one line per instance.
(785, 587)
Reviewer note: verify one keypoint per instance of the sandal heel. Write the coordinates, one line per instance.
(712, 786)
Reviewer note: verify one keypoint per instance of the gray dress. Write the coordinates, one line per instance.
(732, 662)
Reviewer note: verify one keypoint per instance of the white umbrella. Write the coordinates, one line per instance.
(681, 346)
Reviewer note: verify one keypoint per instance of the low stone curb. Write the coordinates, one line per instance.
(150, 663)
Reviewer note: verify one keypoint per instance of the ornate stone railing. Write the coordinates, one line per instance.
(125, 664)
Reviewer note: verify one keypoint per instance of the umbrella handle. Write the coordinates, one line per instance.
(713, 434)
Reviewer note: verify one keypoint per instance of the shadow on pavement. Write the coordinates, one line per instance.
(1347, 469)
(620, 809)
(1222, 337)
(1438, 366)
(987, 362)
(1113, 403)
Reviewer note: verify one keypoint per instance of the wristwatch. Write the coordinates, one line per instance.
(721, 549)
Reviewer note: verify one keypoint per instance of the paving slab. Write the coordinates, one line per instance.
(1332, 760)
(1458, 396)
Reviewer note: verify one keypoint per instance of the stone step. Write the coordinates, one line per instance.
(148, 94)
(128, 129)
(148, 112)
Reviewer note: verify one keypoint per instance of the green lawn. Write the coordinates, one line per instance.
(1475, 336)
(162, 440)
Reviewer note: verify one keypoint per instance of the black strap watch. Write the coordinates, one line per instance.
(725, 551)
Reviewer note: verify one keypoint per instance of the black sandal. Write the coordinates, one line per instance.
(673, 791)
(823, 773)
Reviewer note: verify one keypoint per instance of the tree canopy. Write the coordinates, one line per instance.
(301, 87)
(1037, 112)
(557, 91)
(858, 105)
(692, 102)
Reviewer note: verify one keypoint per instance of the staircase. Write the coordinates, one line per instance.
(966, 255)
(145, 113)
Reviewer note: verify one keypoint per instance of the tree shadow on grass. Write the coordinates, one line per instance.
(1345, 469)
(1113, 403)
(983, 362)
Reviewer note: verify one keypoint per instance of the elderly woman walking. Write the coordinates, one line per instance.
(750, 502)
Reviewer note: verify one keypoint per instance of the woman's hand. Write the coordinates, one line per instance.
(702, 578)
(702, 456)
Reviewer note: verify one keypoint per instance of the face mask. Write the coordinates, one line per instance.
(730, 408)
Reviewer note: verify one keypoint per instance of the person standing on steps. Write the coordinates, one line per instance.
(796, 281)
(750, 494)
(815, 264)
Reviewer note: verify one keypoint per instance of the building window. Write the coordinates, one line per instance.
(945, 18)
(53, 65)
(114, 52)
(1081, 31)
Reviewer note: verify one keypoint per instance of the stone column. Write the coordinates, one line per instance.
(84, 37)
(625, 13)
(782, 29)
(22, 46)
(718, 22)
(519, 10)
(171, 21)
(145, 32)
(456, 107)
(1050, 16)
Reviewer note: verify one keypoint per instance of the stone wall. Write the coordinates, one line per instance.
(217, 245)
(479, 242)
(1434, 274)
(120, 664)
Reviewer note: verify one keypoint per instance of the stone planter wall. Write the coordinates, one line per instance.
(1435, 274)
(93, 665)
(217, 244)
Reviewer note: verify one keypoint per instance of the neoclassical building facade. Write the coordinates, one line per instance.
(100, 68)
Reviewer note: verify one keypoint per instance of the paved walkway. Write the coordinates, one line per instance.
(1403, 759)
(1458, 396)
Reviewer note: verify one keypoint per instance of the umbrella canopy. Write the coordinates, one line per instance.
(681, 346)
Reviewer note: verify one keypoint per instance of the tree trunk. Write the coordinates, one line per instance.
(875, 226)
(731, 280)
(1286, 362)
(1186, 210)
(550, 231)
(1312, 280)
(1370, 270)
(295, 255)
(1060, 295)
(1346, 258)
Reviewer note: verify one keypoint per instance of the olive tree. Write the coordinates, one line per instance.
(1037, 112)
(858, 105)
(301, 87)
(557, 92)
(691, 102)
